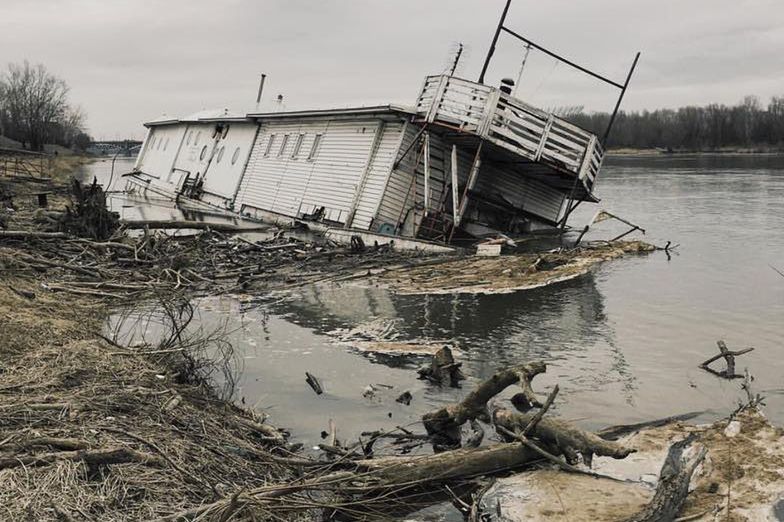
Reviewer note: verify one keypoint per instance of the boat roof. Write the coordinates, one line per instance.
(224, 115)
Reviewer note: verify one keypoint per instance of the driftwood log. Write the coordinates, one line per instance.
(443, 425)
(674, 479)
(568, 439)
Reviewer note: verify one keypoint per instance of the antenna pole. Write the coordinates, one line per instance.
(261, 88)
(495, 40)
(457, 58)
(620, 99)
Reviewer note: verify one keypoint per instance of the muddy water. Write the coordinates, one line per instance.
(623, 342)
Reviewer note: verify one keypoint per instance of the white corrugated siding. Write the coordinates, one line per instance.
(296, 186)
(378, 174)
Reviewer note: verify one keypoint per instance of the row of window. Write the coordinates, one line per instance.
(296, 149)
(160, 141)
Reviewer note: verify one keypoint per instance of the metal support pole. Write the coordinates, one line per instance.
(620, 98)
(495, 40)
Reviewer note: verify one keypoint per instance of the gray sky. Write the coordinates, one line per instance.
(128, 61)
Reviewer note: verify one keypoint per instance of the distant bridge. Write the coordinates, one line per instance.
(110, 148)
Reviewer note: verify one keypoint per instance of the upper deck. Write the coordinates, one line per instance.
(559, 148)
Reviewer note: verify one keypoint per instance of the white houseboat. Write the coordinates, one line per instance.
(465, 161)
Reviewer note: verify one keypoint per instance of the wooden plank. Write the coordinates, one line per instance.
(542, 141)
(454, 184)
(427, 172)
(473, 174)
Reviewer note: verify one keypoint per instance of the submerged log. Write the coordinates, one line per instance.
(674, 479)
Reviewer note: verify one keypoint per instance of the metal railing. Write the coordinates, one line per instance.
(23, 163)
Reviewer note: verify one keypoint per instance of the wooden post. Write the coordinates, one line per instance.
(454, 186)
(472, 176)
(427, 173)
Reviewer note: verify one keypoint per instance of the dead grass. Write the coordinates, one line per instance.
(60, 382)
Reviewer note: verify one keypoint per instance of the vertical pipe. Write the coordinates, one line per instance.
(620, 99)
(261, 88)
(427, 173)
(495, 39)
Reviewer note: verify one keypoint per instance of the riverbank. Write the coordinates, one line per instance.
(107, 429)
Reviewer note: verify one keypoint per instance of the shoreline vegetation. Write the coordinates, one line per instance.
(729, 151)
(97, 429)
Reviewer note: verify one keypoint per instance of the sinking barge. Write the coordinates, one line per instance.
(467, 160)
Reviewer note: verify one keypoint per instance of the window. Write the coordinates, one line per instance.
(315, 147)
(166, 145)
(297, 146)
(220, 154)
(196, 140)
(188, 139)
(270, 143)
(225, 132)
(235, 156)
(160, 142)
(152, 143)
(283, 143)
(203, 153)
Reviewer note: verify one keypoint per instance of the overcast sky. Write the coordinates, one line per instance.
(129, 61)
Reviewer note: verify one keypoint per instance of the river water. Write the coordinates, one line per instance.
(624, 342)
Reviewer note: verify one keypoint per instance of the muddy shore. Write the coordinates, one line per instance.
(93, 430)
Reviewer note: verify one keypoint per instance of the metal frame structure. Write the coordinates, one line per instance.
(580, 68)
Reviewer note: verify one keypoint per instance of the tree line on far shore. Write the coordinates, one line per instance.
(35, 109)
(747, 125)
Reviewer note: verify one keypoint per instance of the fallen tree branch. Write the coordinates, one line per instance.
(563, 435)
(95, 457)
(443, 425)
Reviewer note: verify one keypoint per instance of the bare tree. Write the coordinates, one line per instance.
(34, 103)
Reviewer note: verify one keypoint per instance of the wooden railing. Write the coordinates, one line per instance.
(512, 124)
